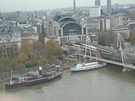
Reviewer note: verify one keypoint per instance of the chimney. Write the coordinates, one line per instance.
(74, 5)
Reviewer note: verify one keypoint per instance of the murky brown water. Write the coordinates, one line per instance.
(107, 84)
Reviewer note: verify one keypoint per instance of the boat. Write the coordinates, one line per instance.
(87, 66)
(33, 78)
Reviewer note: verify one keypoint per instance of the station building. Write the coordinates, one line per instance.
(70, 29)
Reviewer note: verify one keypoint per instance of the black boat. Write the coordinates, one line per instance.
(33, 78)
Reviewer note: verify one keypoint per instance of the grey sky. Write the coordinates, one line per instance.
(13, 5)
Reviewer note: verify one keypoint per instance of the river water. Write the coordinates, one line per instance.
(107, 84)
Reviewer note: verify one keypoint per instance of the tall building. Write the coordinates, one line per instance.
(109, 12)
(109, 7)
(74, 5)
(97, 3)
(95, 12)
(50, 29)
(10, 44)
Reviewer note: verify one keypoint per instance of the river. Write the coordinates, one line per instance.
(107, 84)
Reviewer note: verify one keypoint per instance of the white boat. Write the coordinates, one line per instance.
(87, 66)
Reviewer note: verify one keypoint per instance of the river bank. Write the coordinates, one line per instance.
(106, 84)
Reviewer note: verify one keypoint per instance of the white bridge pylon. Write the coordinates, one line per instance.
(87, 47)
(121, 46)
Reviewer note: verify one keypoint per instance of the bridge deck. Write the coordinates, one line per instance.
(83, 46)
(111, 62)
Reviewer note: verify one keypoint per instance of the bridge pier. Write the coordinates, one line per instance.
(126, 69)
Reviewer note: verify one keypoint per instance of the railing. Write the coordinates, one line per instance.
(6, 76)
(91, 47)
(111, 62)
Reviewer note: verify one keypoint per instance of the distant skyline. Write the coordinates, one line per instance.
(28, 5)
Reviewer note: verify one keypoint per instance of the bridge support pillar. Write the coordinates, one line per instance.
(125, 69)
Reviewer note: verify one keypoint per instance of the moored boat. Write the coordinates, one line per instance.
(87, 66)
(33, 78)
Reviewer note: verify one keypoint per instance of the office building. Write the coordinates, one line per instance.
(97, 3)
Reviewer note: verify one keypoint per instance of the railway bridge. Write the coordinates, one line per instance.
(88, 48)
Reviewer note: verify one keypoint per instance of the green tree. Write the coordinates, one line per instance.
(8, 64)
(39, 53)
(53, 49)
(25, 53)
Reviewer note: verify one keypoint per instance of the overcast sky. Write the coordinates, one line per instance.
(15, 5)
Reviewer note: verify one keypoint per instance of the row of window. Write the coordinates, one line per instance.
(8, 50)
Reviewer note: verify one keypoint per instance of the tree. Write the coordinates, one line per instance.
(8, 64)
(39, 53)
(25, 53)
(53, 49)
(32, 54)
